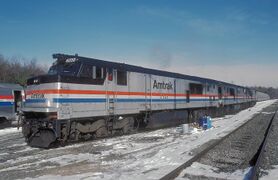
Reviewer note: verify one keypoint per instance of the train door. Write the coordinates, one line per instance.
(17, 101)
(148, 87)
(220, 95)
(175, 92)
(187, 96)
(65, 107)
(110, 91)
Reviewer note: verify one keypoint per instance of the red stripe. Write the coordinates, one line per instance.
(100, 92)
(6, 97)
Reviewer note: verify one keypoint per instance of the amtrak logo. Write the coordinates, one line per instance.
(162, 85)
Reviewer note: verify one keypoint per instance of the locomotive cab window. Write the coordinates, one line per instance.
(110, 74)
(94, 72)
(121, 78)
(98, 72)
(86, 71)
(64, 68)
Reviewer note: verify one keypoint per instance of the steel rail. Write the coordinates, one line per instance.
(255, 170)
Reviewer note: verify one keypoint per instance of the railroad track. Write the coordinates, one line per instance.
(255, 170)
(231, 160)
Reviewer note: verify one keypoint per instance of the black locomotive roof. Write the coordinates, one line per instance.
(131, 68)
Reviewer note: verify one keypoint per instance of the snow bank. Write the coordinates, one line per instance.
(9, 131)
(271, 174)
(198, 170)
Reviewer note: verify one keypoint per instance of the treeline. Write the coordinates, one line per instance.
(272, 92)
(18, 69)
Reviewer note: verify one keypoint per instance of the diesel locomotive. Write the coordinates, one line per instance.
(83, 97)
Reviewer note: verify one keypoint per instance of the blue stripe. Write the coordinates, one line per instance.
(230, 99)
(120, 100)
(35, 101)
(79, 100)
(6, 104)
(158, 100)
(131, 100)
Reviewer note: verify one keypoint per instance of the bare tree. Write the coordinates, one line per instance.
(272, 92)
(3, 68)
(18, 69)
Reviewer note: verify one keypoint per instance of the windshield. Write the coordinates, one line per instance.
(66, 69)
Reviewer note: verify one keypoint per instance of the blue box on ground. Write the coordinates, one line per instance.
(205, 122)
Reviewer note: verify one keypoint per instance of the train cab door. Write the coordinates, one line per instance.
(110, 91)
(175, 94)
(148, 91)
(220, 95)
(65, 107)
(17, 101)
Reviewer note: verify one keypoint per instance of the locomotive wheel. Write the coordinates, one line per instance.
(129, 126)
(126, 129)
(102, 132)
(42, 138)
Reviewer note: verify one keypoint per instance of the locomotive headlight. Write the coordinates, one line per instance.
(23, 95)
(59, 85)
(48, 103)
(52, 116)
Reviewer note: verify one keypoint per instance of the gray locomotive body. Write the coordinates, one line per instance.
(82, 97)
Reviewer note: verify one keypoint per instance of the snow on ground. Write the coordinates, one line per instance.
(271, 174)
(197, 169)
(9, 131)
(148, 155)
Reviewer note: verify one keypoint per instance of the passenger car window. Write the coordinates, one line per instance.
(208, 88)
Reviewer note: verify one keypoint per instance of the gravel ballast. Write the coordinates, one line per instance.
(238, 150)
(269, 157)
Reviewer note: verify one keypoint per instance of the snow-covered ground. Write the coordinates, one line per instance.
(272, 174)
(6, 131)
(198, 170)
(148, 155)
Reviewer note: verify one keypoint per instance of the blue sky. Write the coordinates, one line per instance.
(193, 37)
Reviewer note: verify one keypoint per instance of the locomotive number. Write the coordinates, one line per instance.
(37, 96)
